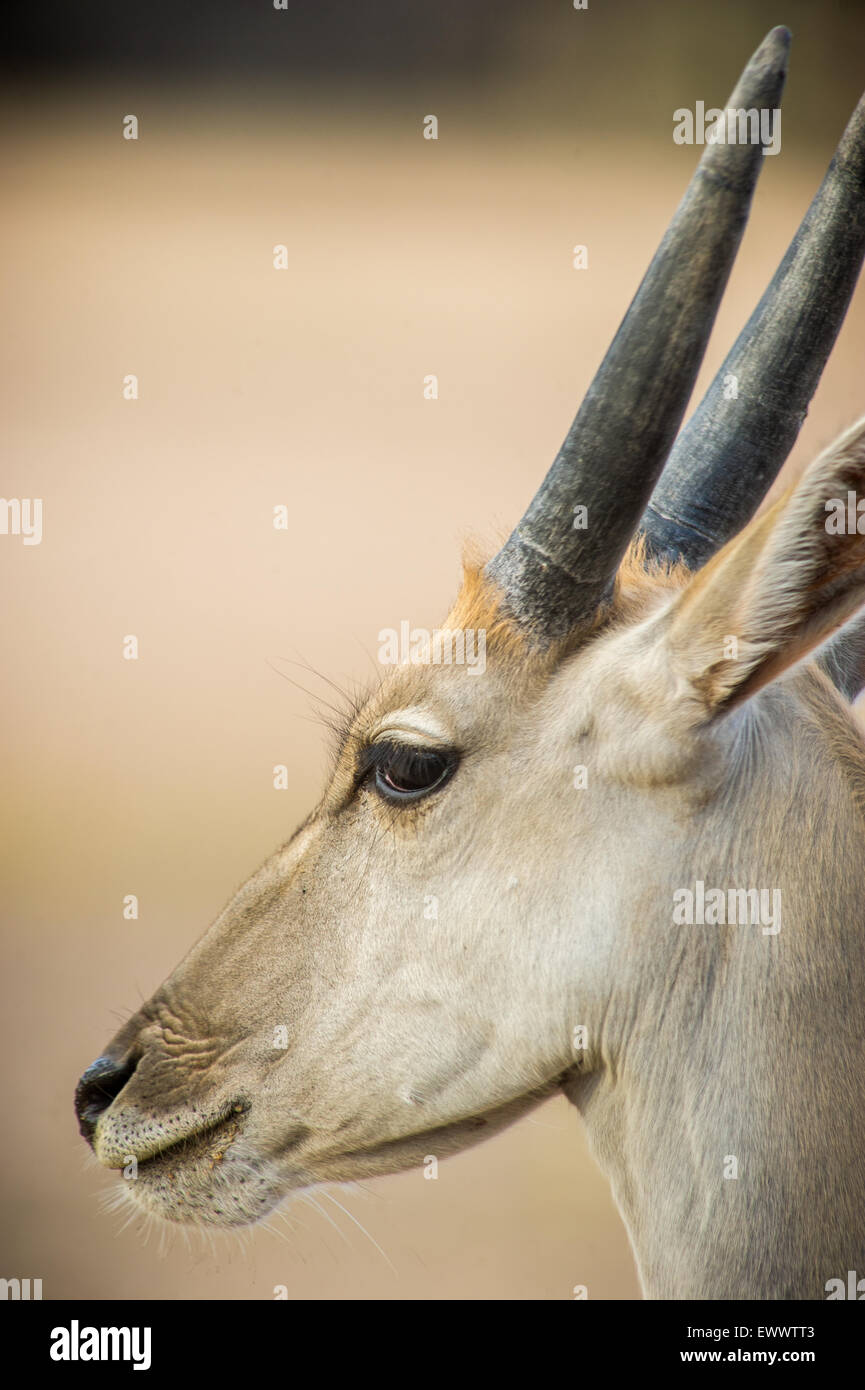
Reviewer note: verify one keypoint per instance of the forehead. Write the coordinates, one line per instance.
(455, 706)
(423, 703)
(430, 706)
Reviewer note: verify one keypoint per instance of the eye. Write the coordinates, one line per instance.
(406, 772)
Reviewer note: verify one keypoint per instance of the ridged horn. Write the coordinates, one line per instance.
(553, 575)
(728, 455)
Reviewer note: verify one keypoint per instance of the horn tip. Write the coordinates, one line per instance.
(776, 43)
(780, 34)
(774, 51)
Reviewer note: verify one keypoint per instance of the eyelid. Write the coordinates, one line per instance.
(399, 735)
(413, 724)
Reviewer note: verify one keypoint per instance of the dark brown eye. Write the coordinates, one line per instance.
(405, 772)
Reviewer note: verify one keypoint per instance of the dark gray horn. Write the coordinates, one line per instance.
(726, 458)
(554, 575)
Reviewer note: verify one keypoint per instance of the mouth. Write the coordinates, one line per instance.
(219, 1176)
(210, 1177)
(206, 1147)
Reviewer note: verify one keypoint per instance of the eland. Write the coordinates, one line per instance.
(643, 826)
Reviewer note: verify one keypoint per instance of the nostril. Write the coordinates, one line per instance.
(102, 1081)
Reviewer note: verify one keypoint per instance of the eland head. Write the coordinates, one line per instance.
(626, 862)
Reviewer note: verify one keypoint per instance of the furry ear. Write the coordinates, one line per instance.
(777, 590)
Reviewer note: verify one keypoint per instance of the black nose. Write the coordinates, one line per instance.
(102, 1081)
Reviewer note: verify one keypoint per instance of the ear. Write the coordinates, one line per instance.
(779, 589)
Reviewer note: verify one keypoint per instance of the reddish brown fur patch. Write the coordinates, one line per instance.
(480, 607)
(480, 604)
(640, 581)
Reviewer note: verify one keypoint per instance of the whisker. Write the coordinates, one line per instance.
(308, 1197)
(362, 1228)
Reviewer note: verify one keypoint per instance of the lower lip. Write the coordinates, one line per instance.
(207, 1146)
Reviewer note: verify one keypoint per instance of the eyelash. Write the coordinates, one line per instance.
(388, 764)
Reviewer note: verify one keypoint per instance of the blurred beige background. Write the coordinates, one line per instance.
(302, 387)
